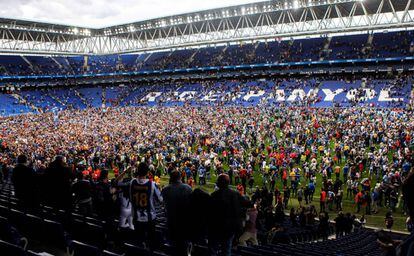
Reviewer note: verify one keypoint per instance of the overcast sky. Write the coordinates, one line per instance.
(101, 13)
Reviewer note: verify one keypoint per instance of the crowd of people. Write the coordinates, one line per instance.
(354, 157)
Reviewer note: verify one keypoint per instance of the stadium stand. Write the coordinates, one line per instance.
(53, 232)
(277, 92)
(391, 44)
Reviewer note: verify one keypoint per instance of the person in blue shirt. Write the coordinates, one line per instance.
(345, 171)
(202, 175)
(406, 167)
(311, 186)
(188, 172)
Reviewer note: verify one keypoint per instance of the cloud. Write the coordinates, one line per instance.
(101, 13)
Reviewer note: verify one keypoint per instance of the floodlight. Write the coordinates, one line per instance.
(131, 28)
(296, 4)
(243, 11)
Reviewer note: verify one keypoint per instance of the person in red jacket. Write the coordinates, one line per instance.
(190, 182)
(240, 188)
(323, 201)
(358, 200)
(284, 177)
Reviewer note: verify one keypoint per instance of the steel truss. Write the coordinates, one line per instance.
(270, 20)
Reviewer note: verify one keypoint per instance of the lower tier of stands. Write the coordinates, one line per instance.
(278, 92)
(57, 233)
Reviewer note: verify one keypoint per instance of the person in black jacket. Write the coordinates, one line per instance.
(226, 216)
(58, 181)
(82, 193)
(340, 225)
(199, 215)
(407, 246)
(24, 181)
(103, 200)
(324, 225)
(177, 201)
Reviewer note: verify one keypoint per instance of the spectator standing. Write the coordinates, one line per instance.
(24, 181)
(300, 196)
(407, 246)
(58, 177)
(144, 194)
(250, 230)
(323, 201)
(82, 192)
(324, 225)
(389, 220)
(176, 197)
(226, 217)
(358, 201)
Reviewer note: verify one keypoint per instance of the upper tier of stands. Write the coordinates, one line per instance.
(362, 46)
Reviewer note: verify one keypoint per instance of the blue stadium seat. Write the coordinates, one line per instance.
(4, 212)
(81, 249)
(53, 234)
(108, 253)
(133, 250)
(45, 234)
(89, 233)
(32, 253)
(9, 249)
(200, 250)
(10, 234)
(18, 219)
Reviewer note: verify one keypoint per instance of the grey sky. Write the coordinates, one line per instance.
(101, 13)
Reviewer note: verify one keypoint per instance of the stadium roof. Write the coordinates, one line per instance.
(263, 20)
(105, 13)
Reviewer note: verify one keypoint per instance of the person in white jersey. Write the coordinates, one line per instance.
(143, 196)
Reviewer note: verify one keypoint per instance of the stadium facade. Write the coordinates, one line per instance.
(300, 63)
(267, 21)
(362, 49)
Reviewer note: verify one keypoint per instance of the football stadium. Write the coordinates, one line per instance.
(246, 128)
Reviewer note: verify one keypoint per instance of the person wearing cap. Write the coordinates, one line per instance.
(226, 216)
